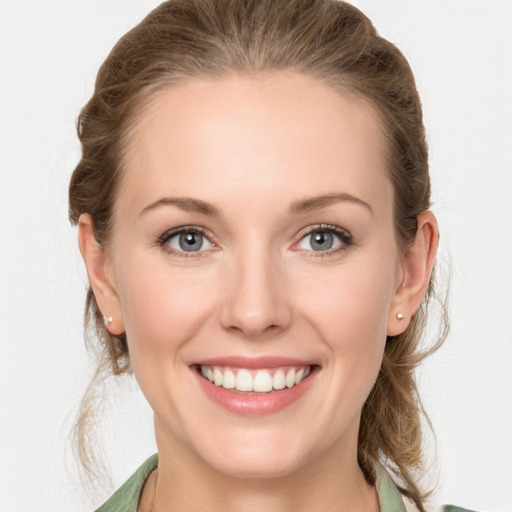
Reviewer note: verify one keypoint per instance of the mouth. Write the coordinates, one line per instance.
(254, 387)
(263, 380)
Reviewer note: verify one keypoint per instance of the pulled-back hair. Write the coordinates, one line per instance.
(326, 39)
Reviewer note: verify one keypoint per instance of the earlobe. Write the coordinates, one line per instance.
(99, 271)
(416, 264)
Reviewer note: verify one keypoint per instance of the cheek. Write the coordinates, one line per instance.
(348, 307)
(162, 307)
(350, 299)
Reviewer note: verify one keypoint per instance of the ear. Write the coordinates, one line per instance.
(416, 268)
(101, 277)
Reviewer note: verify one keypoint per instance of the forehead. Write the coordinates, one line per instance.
(283, 132)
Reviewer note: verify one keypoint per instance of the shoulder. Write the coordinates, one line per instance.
(453, 508)
(392, 500)
(411, 507)
(127, 497)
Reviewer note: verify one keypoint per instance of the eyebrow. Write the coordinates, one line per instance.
(301, 206)
(317, 202)
(185, 203)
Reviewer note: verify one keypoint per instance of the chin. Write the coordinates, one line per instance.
(268, 456)
(256, 466)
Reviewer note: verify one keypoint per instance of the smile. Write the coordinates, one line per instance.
(259, 381)
(255, 387)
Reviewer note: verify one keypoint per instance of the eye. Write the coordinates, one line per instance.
(325, 239)
(185, 240)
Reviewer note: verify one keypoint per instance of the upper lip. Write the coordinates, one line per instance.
(253, 362)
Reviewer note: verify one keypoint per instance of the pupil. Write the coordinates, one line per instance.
(191, 241)
(322, 241)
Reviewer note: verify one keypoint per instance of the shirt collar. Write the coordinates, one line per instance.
(390, 499)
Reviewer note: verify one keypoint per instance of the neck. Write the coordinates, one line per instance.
(331, 482)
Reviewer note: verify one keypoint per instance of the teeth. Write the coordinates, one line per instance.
(290, 379)
(244, 381)
(217, 377)
(229, 380)
(279, 380)
(261, 381)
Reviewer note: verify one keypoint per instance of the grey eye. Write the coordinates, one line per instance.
(189, 241)
(320, 240)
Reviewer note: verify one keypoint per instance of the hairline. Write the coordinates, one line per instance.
(146, 98)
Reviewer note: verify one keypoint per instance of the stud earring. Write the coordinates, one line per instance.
(400, 316)
(107, 319)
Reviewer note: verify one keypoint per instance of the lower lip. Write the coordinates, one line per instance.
(255, 404)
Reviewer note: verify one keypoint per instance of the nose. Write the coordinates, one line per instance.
(255, 296)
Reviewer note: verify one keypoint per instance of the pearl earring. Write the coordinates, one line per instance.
(107, 319)
(400, 316)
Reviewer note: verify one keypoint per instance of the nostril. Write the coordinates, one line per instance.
(255, 331)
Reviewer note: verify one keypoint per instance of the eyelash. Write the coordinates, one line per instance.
(164, 239)
(343, 235)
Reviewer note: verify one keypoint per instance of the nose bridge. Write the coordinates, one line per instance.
(256, 299)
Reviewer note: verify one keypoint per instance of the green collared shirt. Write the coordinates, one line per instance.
(126, 498)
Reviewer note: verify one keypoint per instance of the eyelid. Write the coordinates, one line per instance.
(170, 233)
(344, 235)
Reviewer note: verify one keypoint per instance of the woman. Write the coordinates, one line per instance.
(253, 211)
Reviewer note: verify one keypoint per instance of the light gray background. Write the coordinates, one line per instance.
(461, 52)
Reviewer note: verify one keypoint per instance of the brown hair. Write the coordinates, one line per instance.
(326, 39)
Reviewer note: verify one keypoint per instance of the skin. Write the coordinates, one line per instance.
(252, 148)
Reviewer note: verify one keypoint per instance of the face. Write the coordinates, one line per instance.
(255, 266)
